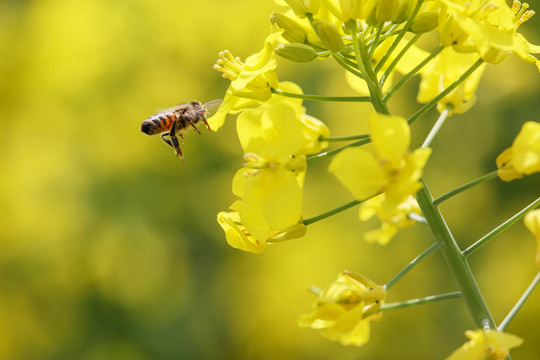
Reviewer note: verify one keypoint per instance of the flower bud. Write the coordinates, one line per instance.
(296, 52)
(329, 35)
(302, 7)
(292, 31)
(425, 22)
(404, 11)
(386, 10)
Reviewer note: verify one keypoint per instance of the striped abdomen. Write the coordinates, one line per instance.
(158, 123)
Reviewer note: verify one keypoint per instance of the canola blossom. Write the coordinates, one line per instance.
(391, 222)
(488, 28)
(523, 157)
(484, 345)
(275, 137)
(391, 169)
(345, 308)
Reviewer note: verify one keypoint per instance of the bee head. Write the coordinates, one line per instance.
(196, 104)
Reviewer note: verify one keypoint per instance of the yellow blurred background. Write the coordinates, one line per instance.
(109, 249)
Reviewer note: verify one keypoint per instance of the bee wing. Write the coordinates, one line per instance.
(213, 106)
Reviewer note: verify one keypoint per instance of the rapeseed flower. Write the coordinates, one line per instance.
(523, 157)
(441, 72)
(391, 221)
(484, 345)
(275, 138)
(391, 169)
(345, 309)
(488, 28)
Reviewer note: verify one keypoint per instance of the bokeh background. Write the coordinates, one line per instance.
(109, 249)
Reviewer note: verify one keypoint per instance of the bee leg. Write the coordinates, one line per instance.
(167, 141)
(189, 118)
(172, 141)
(177, 148)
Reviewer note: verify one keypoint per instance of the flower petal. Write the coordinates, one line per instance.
(272, 201)
(359, 172)
(391, 137)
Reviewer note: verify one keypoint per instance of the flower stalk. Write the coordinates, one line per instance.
(455, 260)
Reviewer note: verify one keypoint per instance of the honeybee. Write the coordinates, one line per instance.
(170, 123)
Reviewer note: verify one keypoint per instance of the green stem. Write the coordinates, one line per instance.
(321, 97)
(421, 301)
(413, 72)
(396, 60)
(435, 130)
(387, 31)
(375, 42)
(347, 64)
(399, 37)
(445, 92)
(412, 264)
(344, 138)
(332, 212)
(520, 303)
(360, 52)
(312, 158)
(499, 229)
(457, 263)
(491, 175)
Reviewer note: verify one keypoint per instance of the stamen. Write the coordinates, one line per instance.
(228, 65)
(526, 16)
(516, 5)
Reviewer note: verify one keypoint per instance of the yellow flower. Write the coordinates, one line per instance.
(485, 345)
(441, 72)
(344, 309)
(523, 157)
(238, 237)
(346, 10)
(488, 28)
(532, 221)
(391, 221)
(392, 170)
(251, 80)
(275, 138)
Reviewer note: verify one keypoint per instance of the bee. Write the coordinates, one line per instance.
(170, 123)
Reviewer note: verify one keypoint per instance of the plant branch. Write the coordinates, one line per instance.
(412, 264)
(499, 229)
(321, 97)
(421, 301)
(491, 175)
(520, 303)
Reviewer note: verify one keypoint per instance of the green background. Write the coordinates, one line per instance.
(109, 249)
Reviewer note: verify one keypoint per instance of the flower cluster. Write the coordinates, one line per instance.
(373, 41)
